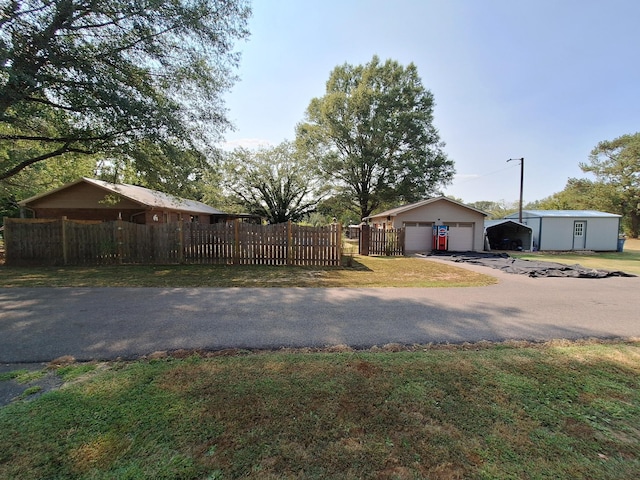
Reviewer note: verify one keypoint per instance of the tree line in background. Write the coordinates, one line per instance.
(131, 93)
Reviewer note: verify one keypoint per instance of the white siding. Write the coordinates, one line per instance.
(556, 233)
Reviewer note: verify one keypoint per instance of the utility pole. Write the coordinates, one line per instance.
(521, 184)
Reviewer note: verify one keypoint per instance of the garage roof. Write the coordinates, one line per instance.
(410, 206)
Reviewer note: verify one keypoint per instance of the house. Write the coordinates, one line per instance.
(463, 224)
(506, 234)
(97, 200)
(572, 229)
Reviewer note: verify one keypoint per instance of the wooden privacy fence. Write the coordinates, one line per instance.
(68, 242)
(375, 241)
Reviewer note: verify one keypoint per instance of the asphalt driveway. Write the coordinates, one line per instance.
(40, 324)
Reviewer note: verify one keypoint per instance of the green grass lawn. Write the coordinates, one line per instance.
(627, 261)
(507, 411)
(469, 412)
(360, 272)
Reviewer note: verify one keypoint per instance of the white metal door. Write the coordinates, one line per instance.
(579, 235)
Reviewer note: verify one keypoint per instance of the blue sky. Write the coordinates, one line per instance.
(541, 79)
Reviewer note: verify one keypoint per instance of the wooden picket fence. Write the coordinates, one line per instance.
(375, 241)
(68, 242)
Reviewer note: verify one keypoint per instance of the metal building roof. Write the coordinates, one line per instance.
(493, 223)
(564, 214)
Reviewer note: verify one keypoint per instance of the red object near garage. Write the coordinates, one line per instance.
(440, 237)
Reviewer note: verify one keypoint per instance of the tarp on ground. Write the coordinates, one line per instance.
(533, 268)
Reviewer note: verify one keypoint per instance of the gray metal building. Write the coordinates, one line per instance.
(565, 230)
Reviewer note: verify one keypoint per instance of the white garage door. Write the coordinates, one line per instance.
(418, 237)
(461, 237)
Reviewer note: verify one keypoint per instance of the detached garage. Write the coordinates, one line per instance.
(465, 224)
(565, 230)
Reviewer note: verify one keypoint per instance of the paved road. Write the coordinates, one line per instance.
(38, 325)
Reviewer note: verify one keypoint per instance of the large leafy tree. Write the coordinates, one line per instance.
(373, 136)
(278, 183)
(41, 177)
(615, 165)
(135, 81)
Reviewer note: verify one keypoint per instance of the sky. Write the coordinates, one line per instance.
(543, 80)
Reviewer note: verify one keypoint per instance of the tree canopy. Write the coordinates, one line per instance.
(373, 137)
(138, 82)
(495, 210)
(277, 183)
(615, 165)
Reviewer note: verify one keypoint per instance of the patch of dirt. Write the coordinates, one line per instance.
(11, 390)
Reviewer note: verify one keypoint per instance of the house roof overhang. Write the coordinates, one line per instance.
(145, 197)
(404, 208)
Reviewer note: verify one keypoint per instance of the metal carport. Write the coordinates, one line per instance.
(505, 234)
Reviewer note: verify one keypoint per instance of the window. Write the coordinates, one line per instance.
(578, 229)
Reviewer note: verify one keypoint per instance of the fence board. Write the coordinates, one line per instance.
(66, 242)
(374, 241)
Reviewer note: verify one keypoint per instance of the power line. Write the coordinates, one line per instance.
(476, 177)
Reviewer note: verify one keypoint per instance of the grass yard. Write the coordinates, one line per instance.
(468, 412)
(362, 272)
(506, 411)
(627, 261)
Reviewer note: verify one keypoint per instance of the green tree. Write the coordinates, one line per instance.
(496, 210)
(616, 167)
(616, 188)
(277, 183)
(373, 136)
(41, 177)
(145, 166)
(339, 207)
(578, 194)
(115, 78)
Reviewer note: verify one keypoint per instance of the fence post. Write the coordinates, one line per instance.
(289, 242)
(180, 243)
(363, 245)
(236, 241)
(338, 240)
(119, 241)
(65, 251)
(7, 240)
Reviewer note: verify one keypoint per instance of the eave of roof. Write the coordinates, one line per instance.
(501, 221)
(410, 206)
(141, 195)
(568, 213)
